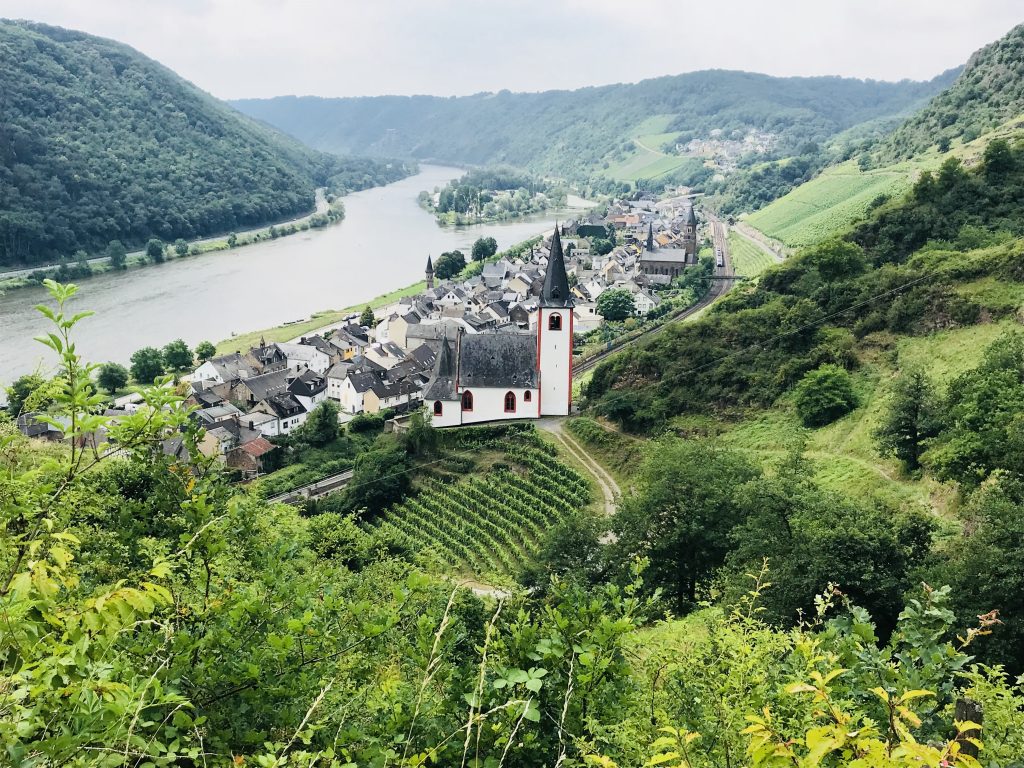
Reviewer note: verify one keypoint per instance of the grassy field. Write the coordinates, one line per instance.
(748, 259)
(244, 341)
(844, 453)
(647, 161)
(830, 203)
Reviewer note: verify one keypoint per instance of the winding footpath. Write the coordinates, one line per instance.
(609, 488)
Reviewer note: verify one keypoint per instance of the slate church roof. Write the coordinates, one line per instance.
(501, 360)
(555, 289)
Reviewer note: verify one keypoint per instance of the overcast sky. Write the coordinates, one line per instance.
(237, 48)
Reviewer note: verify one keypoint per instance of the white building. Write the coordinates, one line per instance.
(509, 374)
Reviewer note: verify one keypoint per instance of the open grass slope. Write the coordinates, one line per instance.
(844, 454)
(829, 203)
(832, 202)
(748, 258)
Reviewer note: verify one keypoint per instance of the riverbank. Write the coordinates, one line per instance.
(327, 210)
(323, 320)
(380, 248)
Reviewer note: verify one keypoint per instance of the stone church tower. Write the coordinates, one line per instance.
(430, 273)
(554, 335)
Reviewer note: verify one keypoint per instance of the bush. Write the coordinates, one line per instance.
(825, 394)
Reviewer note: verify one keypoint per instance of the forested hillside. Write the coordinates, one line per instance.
(98, 142)
(988, 92)
(577, 133)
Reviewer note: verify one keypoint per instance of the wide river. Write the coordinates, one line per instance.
(382, 245)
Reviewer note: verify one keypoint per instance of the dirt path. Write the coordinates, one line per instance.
(609, 488)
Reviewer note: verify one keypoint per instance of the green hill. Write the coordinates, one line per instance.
(989, 92)
(619, 130)
(98, 142)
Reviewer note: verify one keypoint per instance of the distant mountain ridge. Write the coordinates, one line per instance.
(98, 142)
(575, 132)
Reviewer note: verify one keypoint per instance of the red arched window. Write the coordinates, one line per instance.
(467, 401)
(510, 402)
(527, 396)
(555, 322)
(438, 408)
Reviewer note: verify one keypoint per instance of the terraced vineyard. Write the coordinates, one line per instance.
(490, 524)
(828, 204)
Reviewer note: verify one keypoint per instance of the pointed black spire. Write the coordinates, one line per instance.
(691, 216)
(555, 292)
(442, 379)
(430, 264)
(650, 236)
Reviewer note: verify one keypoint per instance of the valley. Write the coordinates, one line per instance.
(702, 446)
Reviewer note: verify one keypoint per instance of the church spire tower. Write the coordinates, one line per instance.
(430, 273)
(650, 236)
(554, 335)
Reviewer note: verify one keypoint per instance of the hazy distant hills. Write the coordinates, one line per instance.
(989, 92)
(98, 142)
(577, 132)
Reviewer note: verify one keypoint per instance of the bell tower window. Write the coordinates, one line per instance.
(555, 322)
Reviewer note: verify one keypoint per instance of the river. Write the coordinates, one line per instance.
(382, 245)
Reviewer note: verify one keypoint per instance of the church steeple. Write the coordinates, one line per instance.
(430, 273)
(555, 292)
(650, 236)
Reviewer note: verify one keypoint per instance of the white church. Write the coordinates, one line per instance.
(509, 374)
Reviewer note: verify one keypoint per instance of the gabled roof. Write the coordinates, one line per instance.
(267, 384)
(308, 384)
(423, 356)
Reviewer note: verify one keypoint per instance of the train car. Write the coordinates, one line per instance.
(719, 257)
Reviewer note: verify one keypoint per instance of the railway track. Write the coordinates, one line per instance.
(314, 490)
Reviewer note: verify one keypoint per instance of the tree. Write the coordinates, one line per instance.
(21, 390)
(112, 377)
(155, 250)
(837, 260)
(680, 514)
(205, 350)
(146, 365)
(812, 538)
(616, 304)
(321, 427)
(913, 416)
(984, 566)
(601, 246)
(232, 240)
(177, 356)
(117, 254)
(367, 318)
(380, 478)
(824, 394)
(449, 264)
(181, 247)
(484, 248)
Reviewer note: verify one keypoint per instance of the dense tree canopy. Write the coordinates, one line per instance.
(571, 134)
(97, 143)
